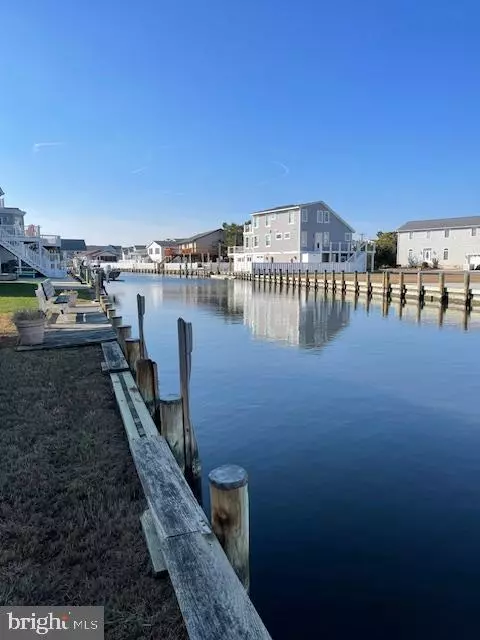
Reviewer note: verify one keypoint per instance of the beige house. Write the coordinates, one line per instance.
(203, 246)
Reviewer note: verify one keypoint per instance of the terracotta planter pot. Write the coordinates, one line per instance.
(31, 331)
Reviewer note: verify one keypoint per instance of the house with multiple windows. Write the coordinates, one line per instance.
(160, 250)
(135, 253)
(449, 243)
(311, 233)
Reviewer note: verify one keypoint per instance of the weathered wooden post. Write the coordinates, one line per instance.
(368, 283)
(384, 283)
(307, 280)
(315, 279)
(141, 314)
(342, 282)
(275, 276)
(355, 283)
(192, 459)
(147, 383)
(132, 353)
(124, 331)
(281, 277)
(98, 285)
(334, 283)
(466, 289)
(230, 516)
(420, 287)
(441, 288)
(270, 275)
(287, 277)
(111, 312)
(171, 421)
(401, 286)
(325, 280)
(116, 321)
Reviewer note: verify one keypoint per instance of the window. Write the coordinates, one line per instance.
(348, 237)
(157, 250)
(304, 239)
(326, 238)
(291, 217)
(326, 217)
(447, 233)
(410, 235)
(273, 216)
(149, 251)
(428, 235)
(410, 254)
(255, 241)
(255, 223)
(319, 216)
(304, 215)
(286, 235)
(474, 231)
(267, 221)
(268, 239)
(445, 254)
(247, 243)
(278, 236)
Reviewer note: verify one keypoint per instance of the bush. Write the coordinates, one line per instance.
(28, 314)
(435, 262)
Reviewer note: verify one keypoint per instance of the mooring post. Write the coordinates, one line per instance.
(124, 331)
(401, 285)
(420, 289)
(116, 321)
(147, 383)
(368, 283)
(141, 314)
(334, 283)
(287, 277)
(230, 516)
(355, 283)
(111, 311)
(342, 281)
(466, 288)
(307, 280)
(325, 280)
(192, 458)
(132, 353)
(98, 285)
(171, 421)
(441, 287)
(315, 279)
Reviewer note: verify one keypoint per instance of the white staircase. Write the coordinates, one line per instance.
(39, 259)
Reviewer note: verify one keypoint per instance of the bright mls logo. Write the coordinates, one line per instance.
(30, 622)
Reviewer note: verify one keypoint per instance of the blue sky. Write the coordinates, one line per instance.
(173, 116)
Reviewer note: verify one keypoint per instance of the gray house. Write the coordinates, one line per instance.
(309, 232)
(450, 243)
(72, 247)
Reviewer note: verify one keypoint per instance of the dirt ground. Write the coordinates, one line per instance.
(70, 497)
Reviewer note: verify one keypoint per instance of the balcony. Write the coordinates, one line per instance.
(231, 251)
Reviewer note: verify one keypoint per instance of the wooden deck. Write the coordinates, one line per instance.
(80, 326)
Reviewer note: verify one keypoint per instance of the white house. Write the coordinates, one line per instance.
(450, 243)
(135, 253)
(158, 250)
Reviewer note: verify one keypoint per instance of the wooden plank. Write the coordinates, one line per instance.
(138, 404)
(173, 506)
(153, 543)
(114, 358)
(129, 420)
(212, 600)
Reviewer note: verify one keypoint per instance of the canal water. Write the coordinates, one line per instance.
(360, 434)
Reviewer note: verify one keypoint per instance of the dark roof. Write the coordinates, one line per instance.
(165, 243)
(12, 210)
(73, 245)
(2, 192)
(440, 223)
(198, 236)
(139, 247)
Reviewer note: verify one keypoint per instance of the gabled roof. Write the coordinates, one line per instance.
(73, 245)
(12, 210)
(304, 204)
(441, 223)
(198, 236)
(164, 243)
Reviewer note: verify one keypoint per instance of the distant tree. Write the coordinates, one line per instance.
(233, 234)
(386, 249)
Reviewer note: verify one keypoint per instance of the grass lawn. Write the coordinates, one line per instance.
(20, 295)
(71, 498)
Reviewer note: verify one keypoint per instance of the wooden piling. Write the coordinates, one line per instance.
(111, 311)
(132, 353)
(124, 331)
(342, 282)
(315, 280)
(401, 285)
(98, 285)
(116, 321)
(230, 516)
(325, 280)
(281, 277)
(355, 283)
(441, 288)
(420, 287)
(140, 315)
(147, 383)
(368, 283)
(466, 289)
(171, 421)
(334, 283)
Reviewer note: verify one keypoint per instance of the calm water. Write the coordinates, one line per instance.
(361, 437)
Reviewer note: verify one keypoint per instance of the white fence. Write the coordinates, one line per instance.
(262, 268)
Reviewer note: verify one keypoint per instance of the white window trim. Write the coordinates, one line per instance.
(286, 235)
(326, 217)
(304, 239)
(273, 216)
(445, 251)
(255, 223)
(326, 238)
(446, 233)
(304, 215)
(269, 237)
(410, 235)
(473, 231)
(278, 235)
(319, 216)
(292, 219)
(267, 220)
(255, 241)
(348, 236)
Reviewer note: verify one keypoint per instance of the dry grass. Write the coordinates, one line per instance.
(71, 500)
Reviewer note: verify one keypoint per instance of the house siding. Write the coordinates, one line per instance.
(459, 243)
(336, 227)
(279, 224)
